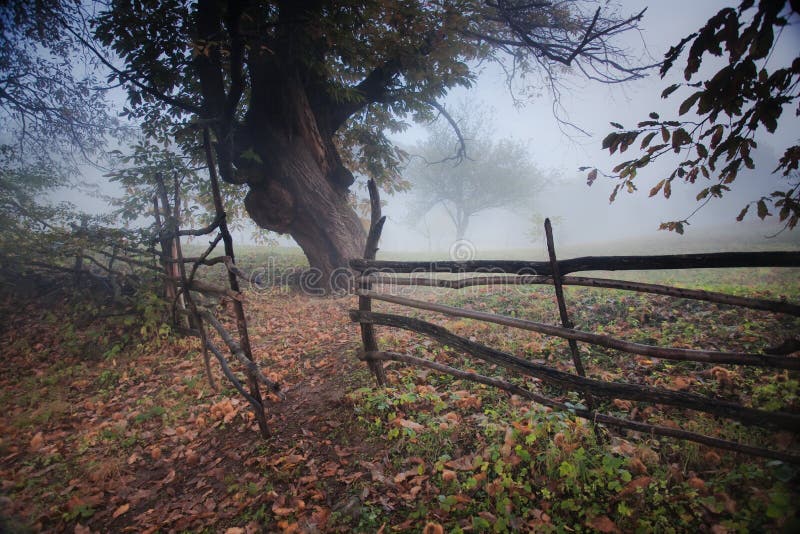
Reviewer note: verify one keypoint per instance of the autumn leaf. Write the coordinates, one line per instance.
(464, 463)
(602, 524)
(36, 442)
(121, 510)
(405, 475)
(411, 425)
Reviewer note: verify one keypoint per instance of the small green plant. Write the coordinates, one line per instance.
(151, 413)
(81, 511)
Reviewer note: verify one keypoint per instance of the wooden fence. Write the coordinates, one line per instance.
(553, 272)
(107, 257)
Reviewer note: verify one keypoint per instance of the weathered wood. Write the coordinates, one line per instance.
(694, 294)
(364, 303)
(589, 263)
(235, 269)
(203, 287)
(195, 321)
(131, 261)
(203, 261)
(170, 284)
(211, 246)
(202, 231)
(562, 304)
(668, 353)
(237, 351)
(227, 240)
(258, 407)
(598, 388)
(483, 280)
(586, 414)
(641, 287)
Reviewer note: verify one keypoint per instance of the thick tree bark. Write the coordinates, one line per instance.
(294, 196)
(284, 148)
(298, 184)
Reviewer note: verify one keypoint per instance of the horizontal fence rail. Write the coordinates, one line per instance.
(513, 272)
(589, 263)
(714, 357)
(594, 416)
(620, 390)
(415, 279)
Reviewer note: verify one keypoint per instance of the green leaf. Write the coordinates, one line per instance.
(251, 155)
(616, 125)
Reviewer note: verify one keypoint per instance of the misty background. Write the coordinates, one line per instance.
(583, 217)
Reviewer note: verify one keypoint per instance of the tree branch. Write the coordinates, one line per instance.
(125, 77)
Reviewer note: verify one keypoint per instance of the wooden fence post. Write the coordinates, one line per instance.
(78, 267)
(365, 303)
(233, 282)
(562, 305)
(170, 284)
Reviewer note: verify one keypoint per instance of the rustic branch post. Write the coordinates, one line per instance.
(562, 305)
(364, 284)
(241, 320)
(170, 284)
(79, 256)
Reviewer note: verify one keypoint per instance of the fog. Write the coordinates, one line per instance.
(583, 215)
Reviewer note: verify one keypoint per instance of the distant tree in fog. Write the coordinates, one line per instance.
(490, 173)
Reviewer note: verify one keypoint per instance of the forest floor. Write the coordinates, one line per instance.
(104, 433)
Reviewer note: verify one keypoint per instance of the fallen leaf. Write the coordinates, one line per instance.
(696, 483)
(462, 464)
(121, 510)
(448, 475)
(401, 477)
(602, 524)
(411, 425)
(433, 528)
(36, 442)
(633, 485)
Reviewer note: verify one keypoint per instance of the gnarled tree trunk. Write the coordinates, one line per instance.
(298, 184)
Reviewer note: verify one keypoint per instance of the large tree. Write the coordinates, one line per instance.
(490, 174)
(735, 107)
(299, 94)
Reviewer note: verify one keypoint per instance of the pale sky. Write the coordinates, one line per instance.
(584, 212)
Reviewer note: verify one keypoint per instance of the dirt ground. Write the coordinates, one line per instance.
(139, 443)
